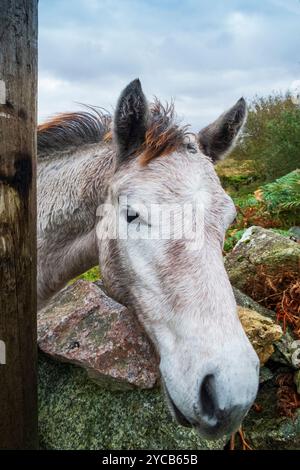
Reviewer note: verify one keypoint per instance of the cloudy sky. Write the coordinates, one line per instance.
(205, 55)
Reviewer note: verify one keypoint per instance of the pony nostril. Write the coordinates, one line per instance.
(208, 397)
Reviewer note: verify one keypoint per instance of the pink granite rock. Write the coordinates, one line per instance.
(84, 326)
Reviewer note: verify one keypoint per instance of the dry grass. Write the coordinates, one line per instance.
(288, 400)
(281, 293)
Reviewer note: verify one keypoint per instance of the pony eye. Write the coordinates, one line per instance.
(131, 215)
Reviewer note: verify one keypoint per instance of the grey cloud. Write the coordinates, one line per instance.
(205, 56)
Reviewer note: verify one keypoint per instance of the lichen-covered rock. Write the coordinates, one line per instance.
(84, 326)
(295, 233)
(261, 247)
(284, 348)
(75, 413)
(265, 374)
(265, 429)
(287, 351)
(243, 300)
(261, 331)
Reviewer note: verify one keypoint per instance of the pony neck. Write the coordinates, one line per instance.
(71, 185)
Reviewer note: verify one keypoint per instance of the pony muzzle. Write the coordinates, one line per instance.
(219, 406)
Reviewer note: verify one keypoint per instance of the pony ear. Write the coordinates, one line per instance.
(130, 119)
(217, 139)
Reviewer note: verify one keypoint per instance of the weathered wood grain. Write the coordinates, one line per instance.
(18, 91)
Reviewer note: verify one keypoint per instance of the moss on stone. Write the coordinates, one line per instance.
(260, 247)
(91, 275)
(267, 429)
(75, 413)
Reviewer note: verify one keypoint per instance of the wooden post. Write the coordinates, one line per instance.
(18, 351)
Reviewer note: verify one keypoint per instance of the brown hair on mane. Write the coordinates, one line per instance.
(72, 129)
(163, 136)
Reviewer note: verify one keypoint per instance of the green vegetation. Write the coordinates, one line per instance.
(233, 236)
(271, 139)
(91, 275)
(274, 205)
(283, 195)
(236, 175)
(262, 174)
